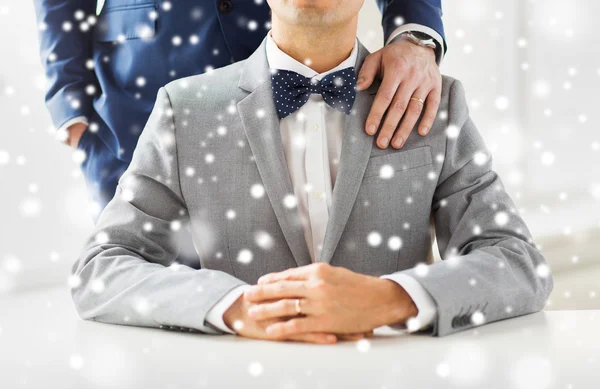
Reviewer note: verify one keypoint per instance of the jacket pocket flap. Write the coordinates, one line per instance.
(399, 160)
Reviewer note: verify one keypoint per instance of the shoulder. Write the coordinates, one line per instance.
(453, 99)
(453, 108)
(211, 88)
(452, 89)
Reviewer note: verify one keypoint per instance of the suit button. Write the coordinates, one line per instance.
(465, 320)
(225, 6)
(455, 322)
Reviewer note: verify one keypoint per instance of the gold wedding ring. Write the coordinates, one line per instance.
(418, 99)
(298, 309)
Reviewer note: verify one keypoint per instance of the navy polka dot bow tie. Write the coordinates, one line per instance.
(291, 90)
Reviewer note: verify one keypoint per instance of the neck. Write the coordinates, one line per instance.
(319, 48)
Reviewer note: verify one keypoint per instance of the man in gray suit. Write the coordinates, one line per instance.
(247, 158)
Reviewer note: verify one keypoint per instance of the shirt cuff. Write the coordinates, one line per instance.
(422, 299)
(61, 133)
(214, 316)
(421, 28)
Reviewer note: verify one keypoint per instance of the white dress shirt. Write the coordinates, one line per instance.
(312, 142)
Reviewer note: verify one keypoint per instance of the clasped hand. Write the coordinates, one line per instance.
(336, 304)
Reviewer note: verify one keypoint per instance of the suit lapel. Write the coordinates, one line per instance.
(356, 150)
(261, 124)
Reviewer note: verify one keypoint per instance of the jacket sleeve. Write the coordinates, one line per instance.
(491, 269)
(65, 37)
(427, 13)
(126, 272)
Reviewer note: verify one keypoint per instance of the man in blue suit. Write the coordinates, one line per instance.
(104, 70)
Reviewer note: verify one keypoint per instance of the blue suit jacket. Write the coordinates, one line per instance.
(136, 46)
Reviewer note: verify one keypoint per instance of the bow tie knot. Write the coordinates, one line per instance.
(292, 90)
(315, 85)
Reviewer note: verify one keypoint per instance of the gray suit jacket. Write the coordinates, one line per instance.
(211, 138)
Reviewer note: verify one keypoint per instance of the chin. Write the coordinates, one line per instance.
(309, 16)
(314, 13)
(314, 4)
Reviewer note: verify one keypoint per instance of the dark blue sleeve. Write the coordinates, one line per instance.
(64, 53)
(425, 12)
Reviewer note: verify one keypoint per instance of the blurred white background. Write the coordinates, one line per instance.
(531, 70)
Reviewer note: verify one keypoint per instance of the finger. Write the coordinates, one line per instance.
(395, 112)
(432, 105)
(295, 273)
(319, 338)
(412, 114)
(294, 326)
(383, 99)
(277, 290)
(357, 336)
(278, 309)
(289, 274)
(368, 70)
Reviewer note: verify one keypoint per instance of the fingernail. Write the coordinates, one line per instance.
(384, 141)
(371, 129)
(424, 130)
(358, 85)
(251, 311)
(331, 338)
(398, 142)
(270, 330)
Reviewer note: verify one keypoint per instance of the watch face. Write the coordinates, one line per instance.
(421, 35)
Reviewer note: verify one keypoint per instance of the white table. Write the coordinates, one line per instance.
(43, 343)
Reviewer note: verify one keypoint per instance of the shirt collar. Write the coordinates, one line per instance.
(277, 59)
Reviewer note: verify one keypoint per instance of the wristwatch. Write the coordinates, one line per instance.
(419, 38)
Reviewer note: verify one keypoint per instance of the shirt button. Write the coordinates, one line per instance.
(315, 127)
(225, 6)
